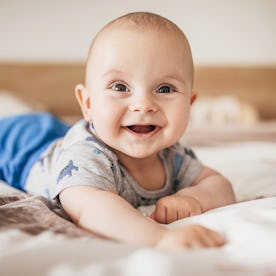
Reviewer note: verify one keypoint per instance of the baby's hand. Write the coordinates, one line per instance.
(175, 207)
(190, 236)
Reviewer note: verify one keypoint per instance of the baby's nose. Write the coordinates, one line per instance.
(143, 104)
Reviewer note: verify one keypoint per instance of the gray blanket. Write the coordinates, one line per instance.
(33, 214)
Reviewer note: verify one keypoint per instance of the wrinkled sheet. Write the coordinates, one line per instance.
(35, 240)
(250, 166)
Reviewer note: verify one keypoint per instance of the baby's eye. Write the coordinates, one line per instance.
(120, 87)
(164, 89)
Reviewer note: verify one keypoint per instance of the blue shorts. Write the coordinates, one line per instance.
(22, 139)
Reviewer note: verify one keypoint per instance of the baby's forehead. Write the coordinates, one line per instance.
(145, 22)
(108, 33)
(167, 31)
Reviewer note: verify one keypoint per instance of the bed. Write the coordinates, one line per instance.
(36, 239)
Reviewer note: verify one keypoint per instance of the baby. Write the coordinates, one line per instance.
(124, 154)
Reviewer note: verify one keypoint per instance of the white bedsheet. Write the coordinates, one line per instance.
(251, 167)
(250, 228)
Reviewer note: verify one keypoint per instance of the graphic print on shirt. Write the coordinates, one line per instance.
(113, 168)
(67, 170)
(98, 143)
(190, 153)
(178, 160)
(94, 140)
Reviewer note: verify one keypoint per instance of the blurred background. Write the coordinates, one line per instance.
(233, 44)
(239, 32)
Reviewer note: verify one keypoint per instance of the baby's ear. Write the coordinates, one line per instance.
(193, 97)
(83, 98)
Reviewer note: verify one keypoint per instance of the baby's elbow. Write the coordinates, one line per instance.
(229, 191)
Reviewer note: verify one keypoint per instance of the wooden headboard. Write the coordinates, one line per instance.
(53, 85)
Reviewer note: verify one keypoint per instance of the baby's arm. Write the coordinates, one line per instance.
(210, 190)
(109, 215)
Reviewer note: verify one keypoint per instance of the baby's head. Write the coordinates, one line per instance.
(138, 87)
(145, 22)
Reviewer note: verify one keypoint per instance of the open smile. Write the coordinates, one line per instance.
(143, 130)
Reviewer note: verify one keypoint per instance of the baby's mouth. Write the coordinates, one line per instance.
(142, 129)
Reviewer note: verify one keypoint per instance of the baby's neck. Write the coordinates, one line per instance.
(149, 172)
(137, 164)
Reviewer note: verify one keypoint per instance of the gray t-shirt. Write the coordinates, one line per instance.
(81, 158)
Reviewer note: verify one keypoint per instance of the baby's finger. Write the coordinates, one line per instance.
(172, 215)
(212, 239)
(195, 211)
(152, 216)
(182, 214)
(218, 239)
(161, 213)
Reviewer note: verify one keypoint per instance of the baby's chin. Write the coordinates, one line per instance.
(139, 152)
(135, 153)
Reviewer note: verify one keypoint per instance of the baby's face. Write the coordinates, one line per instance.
(139, 85)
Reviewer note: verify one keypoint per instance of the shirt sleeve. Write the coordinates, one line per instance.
(82, 165)
(185, 166)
